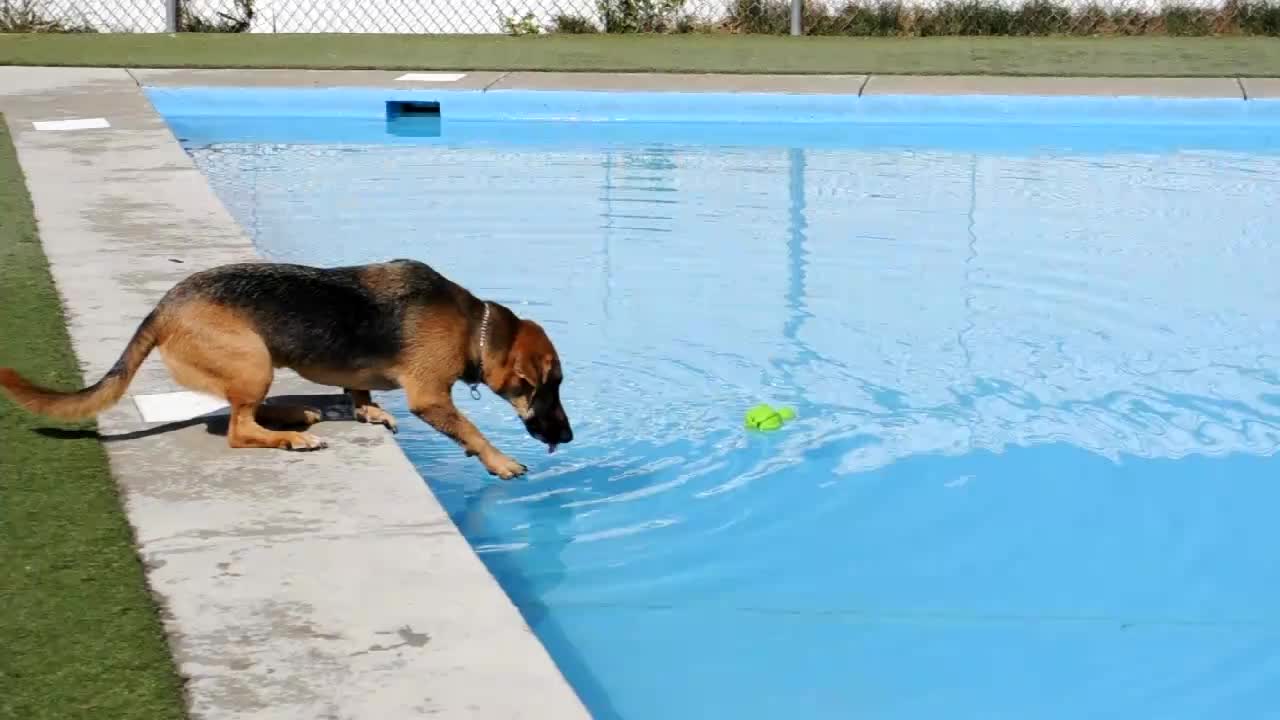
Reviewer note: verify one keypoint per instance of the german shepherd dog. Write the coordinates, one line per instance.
(384, 326)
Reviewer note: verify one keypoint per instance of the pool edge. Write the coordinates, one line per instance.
(1226, 87)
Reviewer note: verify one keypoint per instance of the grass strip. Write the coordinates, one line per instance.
(79, 632)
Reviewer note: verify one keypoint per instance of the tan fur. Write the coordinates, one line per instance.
(388, 280)
(433, 404)
(214, 349)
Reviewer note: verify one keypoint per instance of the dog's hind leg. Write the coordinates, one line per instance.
(245, 432)
(212, 350)
(288, 415)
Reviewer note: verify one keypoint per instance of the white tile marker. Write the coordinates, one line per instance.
(72, 124)
(176, 406)
(431, 77)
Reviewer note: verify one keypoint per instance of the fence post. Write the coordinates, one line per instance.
(171, 15)
(797, 17)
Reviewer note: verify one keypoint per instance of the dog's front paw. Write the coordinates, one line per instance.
(377, 416)
(503, 466)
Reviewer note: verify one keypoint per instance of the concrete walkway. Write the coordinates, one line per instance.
(330, 584)
(836, 84)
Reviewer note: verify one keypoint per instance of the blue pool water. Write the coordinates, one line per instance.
(1037, 368)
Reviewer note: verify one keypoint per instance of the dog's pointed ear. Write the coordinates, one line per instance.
(528, 360)
(526, 368)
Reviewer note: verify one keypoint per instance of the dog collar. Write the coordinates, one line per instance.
(484, 332)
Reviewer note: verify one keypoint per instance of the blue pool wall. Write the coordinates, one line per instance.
(978, 123)
(584, 106)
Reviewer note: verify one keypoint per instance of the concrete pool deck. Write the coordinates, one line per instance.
(329, 584)
(1225, 87)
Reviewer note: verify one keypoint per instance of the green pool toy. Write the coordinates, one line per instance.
(767, 418)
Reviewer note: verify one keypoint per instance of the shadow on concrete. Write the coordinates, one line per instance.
(334, 407)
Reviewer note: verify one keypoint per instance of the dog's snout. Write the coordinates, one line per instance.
(553, 431)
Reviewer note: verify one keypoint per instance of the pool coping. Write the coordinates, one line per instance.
(1222, 87)
(332, 583)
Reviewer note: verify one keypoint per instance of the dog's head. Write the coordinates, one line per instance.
(532, 385)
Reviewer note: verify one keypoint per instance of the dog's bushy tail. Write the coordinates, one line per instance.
(93, 399)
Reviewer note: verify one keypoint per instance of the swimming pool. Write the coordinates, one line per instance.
(1033, 346)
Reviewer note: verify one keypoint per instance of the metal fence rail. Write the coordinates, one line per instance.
(521, 17)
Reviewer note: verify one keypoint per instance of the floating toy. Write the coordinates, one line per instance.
(766, 418)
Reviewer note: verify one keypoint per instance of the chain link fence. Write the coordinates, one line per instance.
(868, 18)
